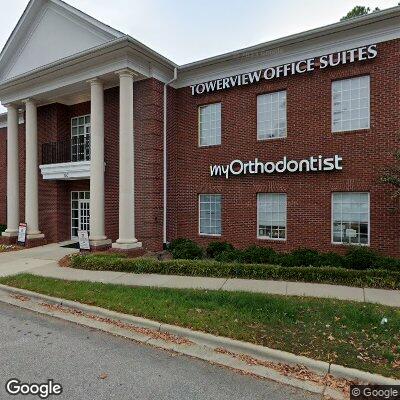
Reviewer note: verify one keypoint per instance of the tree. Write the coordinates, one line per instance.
(391, 176)
(357, 11)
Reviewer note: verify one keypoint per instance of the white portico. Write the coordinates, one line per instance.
(36, 71)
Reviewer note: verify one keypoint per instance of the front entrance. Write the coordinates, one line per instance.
(80, 213)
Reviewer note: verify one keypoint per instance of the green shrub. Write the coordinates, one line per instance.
(260, 255)
(339, 276)
(215, 248)
(332, 260)
(388, 263)
(2, 228)
(178, 242)
(360, 257)
(186, 249)
(301, 257)
(230, 256)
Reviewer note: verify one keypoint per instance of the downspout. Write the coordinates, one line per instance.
(165, 161)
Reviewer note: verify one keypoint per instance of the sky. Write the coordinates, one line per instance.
(190, 30)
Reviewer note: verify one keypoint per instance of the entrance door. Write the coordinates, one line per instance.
(80, 213)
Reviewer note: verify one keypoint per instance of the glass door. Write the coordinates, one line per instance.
(80, 213)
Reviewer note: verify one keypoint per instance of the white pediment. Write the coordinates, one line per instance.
(53, 32)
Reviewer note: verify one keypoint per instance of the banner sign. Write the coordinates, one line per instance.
(22, 234)
(294, 68)
(83, 238)
(311, 164)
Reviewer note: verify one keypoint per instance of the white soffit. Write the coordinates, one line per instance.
(48, 31)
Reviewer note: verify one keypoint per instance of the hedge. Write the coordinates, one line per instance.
(2, 228)
(339, 276)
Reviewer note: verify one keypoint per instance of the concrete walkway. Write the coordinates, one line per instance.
(42, 261)
(14, 262)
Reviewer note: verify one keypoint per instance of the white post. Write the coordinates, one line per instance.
(127, 238)
(12, 172)
(31, 174)
(97, 226)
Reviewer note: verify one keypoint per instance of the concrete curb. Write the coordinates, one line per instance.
(320, 367)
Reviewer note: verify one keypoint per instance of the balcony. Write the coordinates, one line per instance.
(66, 160)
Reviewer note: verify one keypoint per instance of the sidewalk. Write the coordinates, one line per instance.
(42, 261)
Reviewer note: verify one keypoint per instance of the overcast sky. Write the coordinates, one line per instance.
(189, 30)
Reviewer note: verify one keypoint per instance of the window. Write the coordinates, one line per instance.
(80, 138)
(350, 104)
(350, 218)
(271, 210)
(210, 214)
(271, 115)
(210, 125)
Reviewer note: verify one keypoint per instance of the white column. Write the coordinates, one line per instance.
(97, 227)
(12, 172)
(31, 174)
(127, 238)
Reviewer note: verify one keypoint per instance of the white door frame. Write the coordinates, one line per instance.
(79, 200)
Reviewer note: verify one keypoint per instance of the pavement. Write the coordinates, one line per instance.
(42, 261)
(91, 364)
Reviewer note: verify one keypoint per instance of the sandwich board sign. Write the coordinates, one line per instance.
(83, 238)
(22, 234)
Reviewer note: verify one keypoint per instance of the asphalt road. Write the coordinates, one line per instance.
(35, 348)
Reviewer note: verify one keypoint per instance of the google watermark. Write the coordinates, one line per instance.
(43, 390)
(375, 392)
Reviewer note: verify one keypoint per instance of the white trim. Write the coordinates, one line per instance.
(369, 220)
(66, 171)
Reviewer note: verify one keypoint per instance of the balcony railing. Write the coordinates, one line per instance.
(66, 151)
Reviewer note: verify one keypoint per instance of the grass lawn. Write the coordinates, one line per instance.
(346, 333)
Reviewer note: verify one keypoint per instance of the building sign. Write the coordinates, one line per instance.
(294, 68)
(22, 234)
(83, 238)
(311, 164)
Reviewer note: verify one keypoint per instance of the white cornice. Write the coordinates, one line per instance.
(286, 50)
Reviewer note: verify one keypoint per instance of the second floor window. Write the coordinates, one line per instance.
(351, 104)
(80, 138)
(210, 124)
(271, 115)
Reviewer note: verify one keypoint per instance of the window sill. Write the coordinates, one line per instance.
(363, 130)
(209, 235)
(270, 239)
(271, 139)
(208, 146)
(350, 244)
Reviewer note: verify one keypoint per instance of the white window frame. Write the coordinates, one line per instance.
(200, 123)
(369, 222)
(258, 220)
(350, 129)
(199, 214)
(278, 112)
(85, 133)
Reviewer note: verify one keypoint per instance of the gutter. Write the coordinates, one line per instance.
(165, 161)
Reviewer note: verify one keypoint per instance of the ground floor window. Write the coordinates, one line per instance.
(80, 213)
(210, 214)
(271, 215)
(350, 218)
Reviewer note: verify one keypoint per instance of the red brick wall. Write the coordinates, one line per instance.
(365, 154)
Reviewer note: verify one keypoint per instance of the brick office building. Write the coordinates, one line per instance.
(281, 144)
